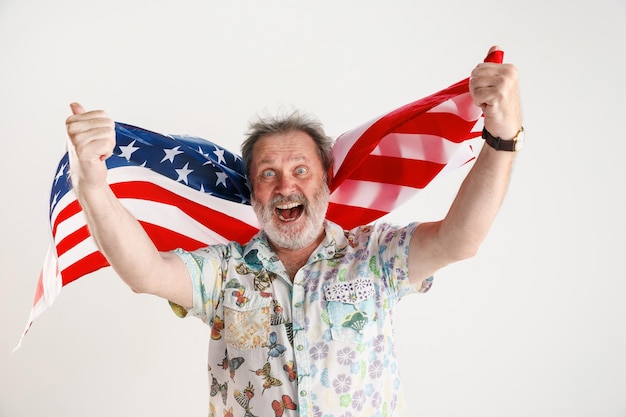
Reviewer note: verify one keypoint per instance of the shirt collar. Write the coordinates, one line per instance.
(333, 245)
(258, 253)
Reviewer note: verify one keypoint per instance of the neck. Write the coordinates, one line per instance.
(294, 259)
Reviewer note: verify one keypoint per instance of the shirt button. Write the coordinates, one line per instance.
(298, 305)
(303, 393)
(300, 347)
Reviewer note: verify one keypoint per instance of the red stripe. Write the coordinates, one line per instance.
(67, 212)
(399, 171)
(227, 226)
(350, 216)
(446, 125)
(166, 239)
(389, 123)
(87, 264)
(72, 240)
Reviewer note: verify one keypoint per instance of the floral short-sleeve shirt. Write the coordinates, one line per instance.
(319, 346)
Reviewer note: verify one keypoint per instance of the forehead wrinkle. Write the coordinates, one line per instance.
(295, 158)
(284, 149)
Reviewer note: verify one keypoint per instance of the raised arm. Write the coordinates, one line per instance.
(119, 236)
(494, 87)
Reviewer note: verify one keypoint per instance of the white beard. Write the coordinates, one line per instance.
(286, 235)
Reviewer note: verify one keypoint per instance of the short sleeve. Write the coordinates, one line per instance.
(204, 267)
(393, 251)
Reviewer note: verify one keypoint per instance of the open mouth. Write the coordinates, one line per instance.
(289, 212)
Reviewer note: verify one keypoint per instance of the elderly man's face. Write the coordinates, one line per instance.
(290, 194)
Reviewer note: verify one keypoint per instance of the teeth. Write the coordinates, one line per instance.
(288, 206)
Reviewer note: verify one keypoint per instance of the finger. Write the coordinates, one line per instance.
(495, 55)
(84, 120)
(492, 75)
(99, 147)
(493, 49)
(481, 78)
(93, 122)
(97, 142)
(77, 108)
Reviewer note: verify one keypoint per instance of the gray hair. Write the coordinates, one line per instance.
(295, 121)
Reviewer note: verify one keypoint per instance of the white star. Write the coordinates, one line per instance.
(128, 150)
(220, 155)
(183, 173)
(60, 173)
(221, 179)
(171, 153)
(206, 155)
(55, 200)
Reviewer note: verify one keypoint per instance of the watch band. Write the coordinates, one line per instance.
(499, 144)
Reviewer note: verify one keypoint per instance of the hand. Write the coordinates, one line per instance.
(494, 88)
(92, 140)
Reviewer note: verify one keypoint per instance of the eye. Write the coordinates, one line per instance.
(268, 173)
(301, 170)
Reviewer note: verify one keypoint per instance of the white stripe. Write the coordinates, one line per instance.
(85, 248)
(51, 277)
(372, 195)
(172, 218)
(164, 215)
(241, 211)
(429, 148)
(463, 155)
(70, 225)
(344, 143)
(67, 199)
(478, 126)
(52, 283)
(461, 105)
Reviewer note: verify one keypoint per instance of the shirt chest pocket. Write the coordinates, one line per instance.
(352, 310)
(246, 319)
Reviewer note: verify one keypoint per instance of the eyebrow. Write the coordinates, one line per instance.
(268, 161)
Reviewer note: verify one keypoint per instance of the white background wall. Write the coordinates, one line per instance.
(533, 326)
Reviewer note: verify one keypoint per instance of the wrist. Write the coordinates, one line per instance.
(513, 144)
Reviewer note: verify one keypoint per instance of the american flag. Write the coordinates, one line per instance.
(188, 192)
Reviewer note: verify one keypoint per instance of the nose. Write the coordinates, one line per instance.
(286, 184)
